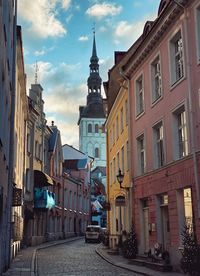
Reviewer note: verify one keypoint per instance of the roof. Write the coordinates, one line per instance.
(99, 169)
(75, 164)
(53, 138)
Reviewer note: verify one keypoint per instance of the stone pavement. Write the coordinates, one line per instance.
(26, 261)
(120, 261)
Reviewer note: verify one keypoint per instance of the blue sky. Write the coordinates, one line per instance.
(58, 35)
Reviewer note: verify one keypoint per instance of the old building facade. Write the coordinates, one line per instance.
(7, 94)
(163, 75)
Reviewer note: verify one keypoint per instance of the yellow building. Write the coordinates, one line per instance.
(119, 198)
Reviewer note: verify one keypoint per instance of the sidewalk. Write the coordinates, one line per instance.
(25, 262)
(122, 262)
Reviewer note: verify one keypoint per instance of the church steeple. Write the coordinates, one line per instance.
(94, 107)
(94, 80)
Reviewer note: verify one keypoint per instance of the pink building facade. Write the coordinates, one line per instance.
(164, 92)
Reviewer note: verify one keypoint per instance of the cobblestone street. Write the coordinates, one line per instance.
(75, 258)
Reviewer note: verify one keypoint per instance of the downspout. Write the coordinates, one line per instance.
(11, 145)
(191, 115)
(130, 191)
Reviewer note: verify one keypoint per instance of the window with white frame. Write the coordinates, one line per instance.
(180, 133)
(158, 145)
(198, 31)
(176, 58)
(156, 79)
(139, 95)
(141, 154)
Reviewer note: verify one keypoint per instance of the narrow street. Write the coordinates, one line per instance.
(75, 258)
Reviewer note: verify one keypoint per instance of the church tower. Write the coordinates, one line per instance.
(92, 138)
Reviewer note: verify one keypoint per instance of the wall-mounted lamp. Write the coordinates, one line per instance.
(120, 178)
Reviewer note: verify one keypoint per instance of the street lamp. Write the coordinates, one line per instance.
(120, 178)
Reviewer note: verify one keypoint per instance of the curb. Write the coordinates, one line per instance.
(34, 264)
(117, 264)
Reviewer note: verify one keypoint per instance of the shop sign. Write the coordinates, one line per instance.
(120, 201)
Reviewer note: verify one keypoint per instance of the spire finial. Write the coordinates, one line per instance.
(36, 72)
(93, 28)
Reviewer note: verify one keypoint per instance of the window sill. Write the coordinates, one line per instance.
(177, 83)
(139, 115)
(156, 101)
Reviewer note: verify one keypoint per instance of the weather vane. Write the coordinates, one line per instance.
(36, 72)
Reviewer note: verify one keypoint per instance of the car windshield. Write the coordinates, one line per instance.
(92, 229)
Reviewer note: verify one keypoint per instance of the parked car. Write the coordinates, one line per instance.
(93, 233)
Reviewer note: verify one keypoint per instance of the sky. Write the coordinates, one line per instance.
(58, 35)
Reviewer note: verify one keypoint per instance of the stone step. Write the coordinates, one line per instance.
(153, 265)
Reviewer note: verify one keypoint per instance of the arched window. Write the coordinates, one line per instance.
(96, 154)
(96, 128)
(89, 128)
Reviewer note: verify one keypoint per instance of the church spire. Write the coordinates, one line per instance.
(94, 80)
(94, 50)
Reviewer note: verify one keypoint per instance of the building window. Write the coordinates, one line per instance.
(139, 96)
(127, 156)
(126, 111)
(113, 132)
(176, 58)
(89, 128)
(117, 127)
(114, 166)
(28, 180)
(158, 145)
(180, 132)
(187, 197)
(96, 128)
(141, 154)
(96, 153)
(110, 173)
(122, 119)
(28, 143)
(118, 164)
(122, 168)
(156, 79)
(110, 138)
(198, 31)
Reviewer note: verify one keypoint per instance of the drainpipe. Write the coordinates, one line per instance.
(191, 115)
(11, 142)
(130, 191)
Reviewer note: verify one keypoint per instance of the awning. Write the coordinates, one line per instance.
(42, 179)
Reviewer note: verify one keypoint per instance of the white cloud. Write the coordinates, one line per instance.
(101, 10)
(66, 4)
(62, 99)
(83, 38)
(41, 15)
(127, 33)
(39, 53)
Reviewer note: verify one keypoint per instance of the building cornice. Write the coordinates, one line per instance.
(153, 38)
